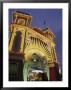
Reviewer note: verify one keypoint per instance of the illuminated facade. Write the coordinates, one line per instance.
(30, 50)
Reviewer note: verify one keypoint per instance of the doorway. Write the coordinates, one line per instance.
(36, 69)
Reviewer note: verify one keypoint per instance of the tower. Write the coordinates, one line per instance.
(16, 44)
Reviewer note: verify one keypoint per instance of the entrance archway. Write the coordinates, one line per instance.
(36, 67)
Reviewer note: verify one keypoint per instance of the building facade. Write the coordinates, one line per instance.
(32, 52)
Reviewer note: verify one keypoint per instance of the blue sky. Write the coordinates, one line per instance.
(53, 18)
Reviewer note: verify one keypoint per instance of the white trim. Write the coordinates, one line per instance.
(64, 7)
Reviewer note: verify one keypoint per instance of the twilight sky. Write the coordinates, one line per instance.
(53, 18)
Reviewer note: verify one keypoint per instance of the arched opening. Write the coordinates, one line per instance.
(36, 69)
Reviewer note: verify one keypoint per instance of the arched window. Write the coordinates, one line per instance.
(17, 41)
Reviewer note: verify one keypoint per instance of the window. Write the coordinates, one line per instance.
(17, 42)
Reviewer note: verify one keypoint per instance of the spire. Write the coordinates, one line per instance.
(45, 23)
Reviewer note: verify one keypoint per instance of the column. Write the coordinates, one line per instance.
(52, 74)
